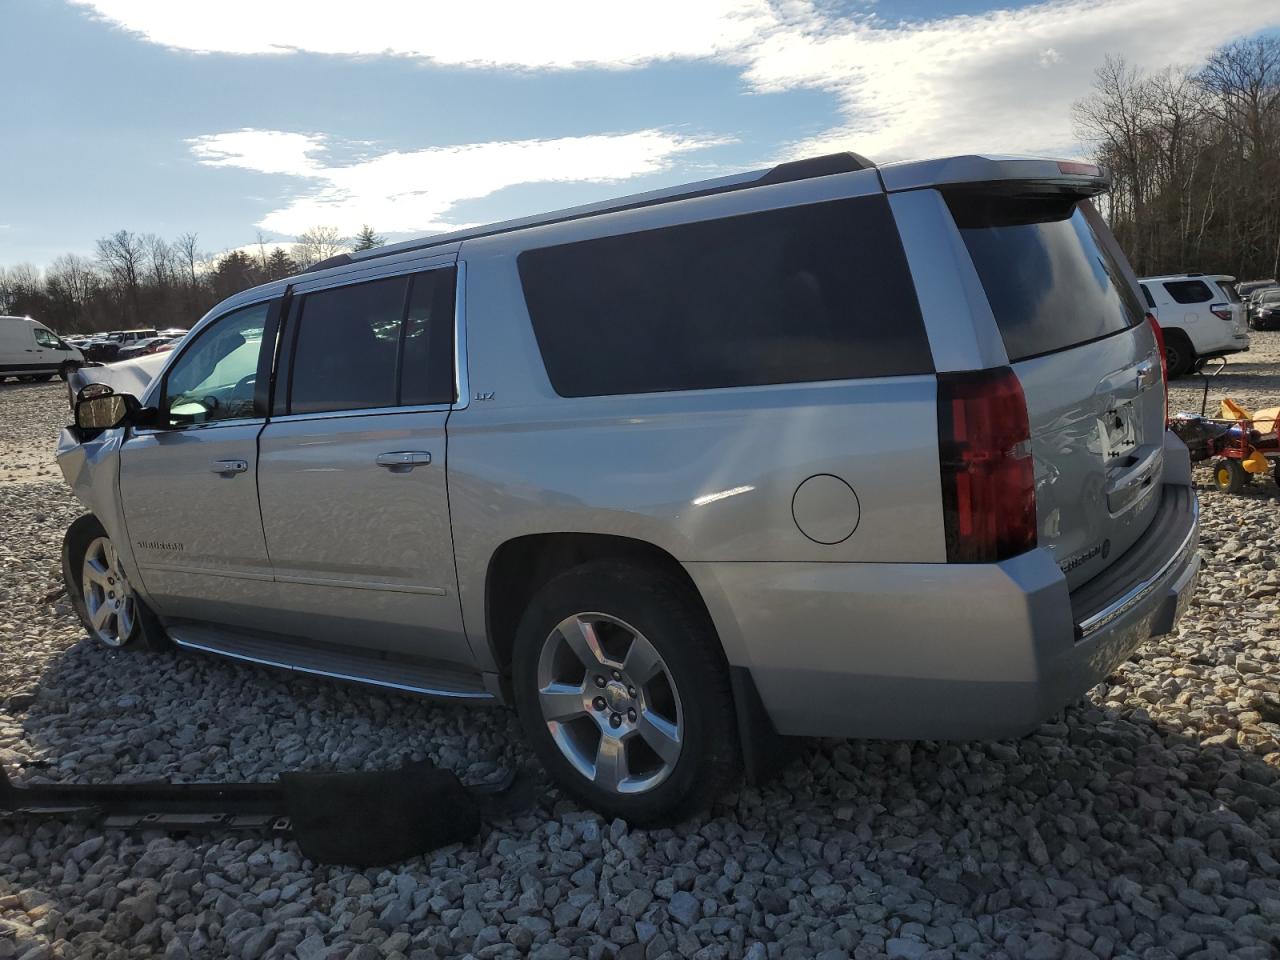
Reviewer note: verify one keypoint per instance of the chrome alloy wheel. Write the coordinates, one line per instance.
(108, 598)
(610, 703)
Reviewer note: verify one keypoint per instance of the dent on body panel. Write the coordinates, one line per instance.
(92, 471)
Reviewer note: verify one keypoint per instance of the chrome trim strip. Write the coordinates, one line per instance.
(1124, 604)
(461, 378)
(316, 672)
(364, 412)
(363, 585)
(205, 571)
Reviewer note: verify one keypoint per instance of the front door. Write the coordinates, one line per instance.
(190, 501)
(351, 471)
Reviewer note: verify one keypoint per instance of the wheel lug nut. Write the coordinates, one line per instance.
(631, 715)
(598, 703)
(617, 675)
(615, 720)
(599, 681)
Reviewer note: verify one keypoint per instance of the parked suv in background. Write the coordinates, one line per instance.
(1202, 317)
(829, 449)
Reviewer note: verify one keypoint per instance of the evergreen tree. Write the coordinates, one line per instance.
(366, 239)
(280, 264)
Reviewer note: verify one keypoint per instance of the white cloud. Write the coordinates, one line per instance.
(516, 33)
(997, 81)
(983, 82)
(413, 191)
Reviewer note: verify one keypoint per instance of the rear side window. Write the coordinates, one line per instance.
(1189, 291)
(1146, 295)
(382, 343)
(819, 292)
(1050, 278)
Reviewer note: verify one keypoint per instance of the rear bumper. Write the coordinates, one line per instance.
(945, 651)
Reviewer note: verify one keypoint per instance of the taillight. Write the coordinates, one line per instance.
(1221, 310)
(1164, 361)
(988, 476)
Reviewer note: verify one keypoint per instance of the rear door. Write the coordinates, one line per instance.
(352, 469)
(1072, 321)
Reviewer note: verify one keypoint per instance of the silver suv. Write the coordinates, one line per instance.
(832, 449)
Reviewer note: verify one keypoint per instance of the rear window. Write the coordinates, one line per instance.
(1189, 291)
(820, 292)
(1050, 279)
(1229, 291)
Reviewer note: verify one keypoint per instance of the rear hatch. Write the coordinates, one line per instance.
(1074, 327)
(1239, 315)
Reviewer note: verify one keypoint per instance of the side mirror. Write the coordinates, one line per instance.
(105, 411)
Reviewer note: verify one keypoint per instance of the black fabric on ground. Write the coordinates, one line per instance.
(378, 818)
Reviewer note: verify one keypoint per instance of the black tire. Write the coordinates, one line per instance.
(1229, 476)
(1179, 355)
(147, 633)
(663, 609)
(64, 371)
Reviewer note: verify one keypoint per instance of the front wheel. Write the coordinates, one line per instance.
(112, 613)
(1229, 476)
(624, 693)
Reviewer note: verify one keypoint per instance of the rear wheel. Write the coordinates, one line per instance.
(100, 592)
(1179, 355)
(624, 692)
(1229, 476)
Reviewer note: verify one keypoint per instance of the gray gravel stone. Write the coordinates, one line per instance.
(1142, 822)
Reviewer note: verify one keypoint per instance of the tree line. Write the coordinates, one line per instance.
(1195, 156)
(142, 280)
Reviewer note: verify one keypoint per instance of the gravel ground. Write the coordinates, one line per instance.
(1142, 823)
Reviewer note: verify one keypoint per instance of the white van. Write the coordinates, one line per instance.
(31, 351)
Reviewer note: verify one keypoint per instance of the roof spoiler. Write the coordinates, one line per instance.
(1038, 173)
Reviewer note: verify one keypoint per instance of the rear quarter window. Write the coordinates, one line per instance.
(819, 292)
(1189, 291)
(1051, 279)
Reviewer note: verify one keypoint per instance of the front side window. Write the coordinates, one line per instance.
(1189, 291)
(214, 378)
(46, 339)
(382, 343)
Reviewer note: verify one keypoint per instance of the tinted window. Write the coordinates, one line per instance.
(1146, 295)
(1189, 291)
(348, 340)
(384, 343)
(819, 292)
(215, 376)
(427, 370)
(1051, 280)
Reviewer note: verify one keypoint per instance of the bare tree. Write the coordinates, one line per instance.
(318, 243)
(123, 256)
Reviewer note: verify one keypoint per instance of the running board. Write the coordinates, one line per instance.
(337, 663)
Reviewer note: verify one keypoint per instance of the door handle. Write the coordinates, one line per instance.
(403, 459)
(230, 466)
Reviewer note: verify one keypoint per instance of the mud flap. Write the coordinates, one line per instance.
(764, 750)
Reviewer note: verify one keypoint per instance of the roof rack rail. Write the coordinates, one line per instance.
(791, 171)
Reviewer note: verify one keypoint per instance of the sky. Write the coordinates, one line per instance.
(235, 117)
